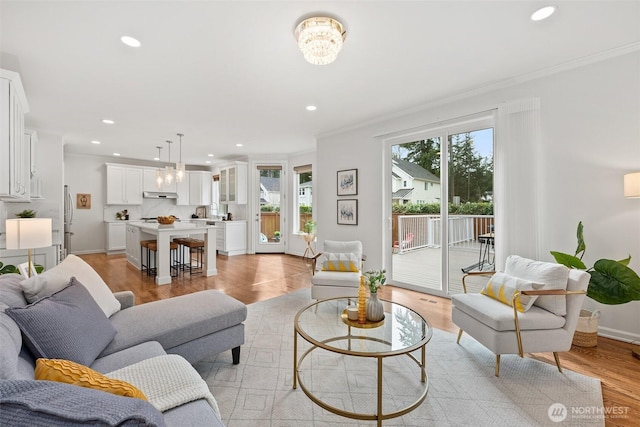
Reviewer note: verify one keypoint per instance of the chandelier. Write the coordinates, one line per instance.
(159, 172)
(320, 39)
(168, 170)
(180, 166)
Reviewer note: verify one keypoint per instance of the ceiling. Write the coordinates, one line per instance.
(229, 72)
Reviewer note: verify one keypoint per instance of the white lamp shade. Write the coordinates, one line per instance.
(632, 185)
(28, 233)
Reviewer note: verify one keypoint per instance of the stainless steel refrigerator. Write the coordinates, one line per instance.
(68, 220)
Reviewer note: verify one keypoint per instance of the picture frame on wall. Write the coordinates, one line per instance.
(347, 182)
(347, 211)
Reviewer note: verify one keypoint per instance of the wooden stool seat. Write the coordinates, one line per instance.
(152, 246)
(194, 245)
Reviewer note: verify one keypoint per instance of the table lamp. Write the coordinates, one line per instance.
(28, 233)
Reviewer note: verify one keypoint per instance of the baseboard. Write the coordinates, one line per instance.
(618, 334)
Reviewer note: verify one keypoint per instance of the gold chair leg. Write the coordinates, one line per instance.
(497, 365)
(459, 336)
(555, 356)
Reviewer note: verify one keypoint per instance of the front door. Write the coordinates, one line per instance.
(270, 218)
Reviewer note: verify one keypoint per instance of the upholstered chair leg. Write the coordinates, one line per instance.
(459, 336)
(497, 365)
(555, 356)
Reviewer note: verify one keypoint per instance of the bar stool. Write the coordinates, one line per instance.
(153, 247)
(194, 246)
(144, 249)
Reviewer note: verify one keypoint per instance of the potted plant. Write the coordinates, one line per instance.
(375, 279)
(27, 213)
(611, 282)
(310, 231)
(276, 235)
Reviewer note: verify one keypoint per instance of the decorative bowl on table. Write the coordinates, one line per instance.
(166, 219)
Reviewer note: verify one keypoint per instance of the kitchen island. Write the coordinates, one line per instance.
(164, 233)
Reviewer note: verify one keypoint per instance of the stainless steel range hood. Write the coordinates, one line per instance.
(159, 195)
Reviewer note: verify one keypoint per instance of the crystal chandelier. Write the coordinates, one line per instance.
(159, 172)
(168, 170)
(320, 39)
(180, 167)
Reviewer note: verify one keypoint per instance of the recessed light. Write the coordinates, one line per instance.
(208, 162)
(130, 41)
(543, 13)
(311, 108)
(157, 159)
(116, 154)
(210, 155)
(108, 121)
(238, 145)
(95, 142)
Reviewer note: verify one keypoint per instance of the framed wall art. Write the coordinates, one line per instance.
(348, 211)
(348, 182)
(83, 201)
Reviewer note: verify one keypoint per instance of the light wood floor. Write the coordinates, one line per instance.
(252, 278)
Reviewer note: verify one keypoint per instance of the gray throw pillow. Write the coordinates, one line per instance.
(65, 325)
(50, 404)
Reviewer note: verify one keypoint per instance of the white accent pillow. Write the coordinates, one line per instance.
(502, 287)
(552, 276)
(58, 277)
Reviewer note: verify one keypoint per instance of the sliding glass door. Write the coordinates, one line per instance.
(434, 242)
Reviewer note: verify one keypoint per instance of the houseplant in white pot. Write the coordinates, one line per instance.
(612, 282)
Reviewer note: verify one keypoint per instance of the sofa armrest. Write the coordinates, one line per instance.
(126, 298)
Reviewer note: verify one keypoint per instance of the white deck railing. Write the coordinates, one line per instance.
(424, 231)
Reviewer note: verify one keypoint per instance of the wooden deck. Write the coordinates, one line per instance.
(421, 268)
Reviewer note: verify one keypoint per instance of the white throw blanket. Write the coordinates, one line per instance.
(167, 381)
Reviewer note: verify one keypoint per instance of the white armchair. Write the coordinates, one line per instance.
(545, 301)
(327, 280)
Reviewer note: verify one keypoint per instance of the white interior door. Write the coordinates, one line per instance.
(270, 214)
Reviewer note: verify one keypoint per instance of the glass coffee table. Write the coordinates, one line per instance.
(325, 326)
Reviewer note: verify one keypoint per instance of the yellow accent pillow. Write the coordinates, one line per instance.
(340, 262)
(502, 287)
(66, 371)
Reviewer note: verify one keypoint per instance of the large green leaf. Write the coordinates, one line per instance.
(582, 246)
(612, 282)
(568, 260)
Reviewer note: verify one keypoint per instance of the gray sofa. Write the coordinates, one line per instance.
(194, 326)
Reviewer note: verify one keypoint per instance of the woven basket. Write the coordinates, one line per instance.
(586, 334)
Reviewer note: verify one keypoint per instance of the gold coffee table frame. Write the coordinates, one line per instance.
(379, 355)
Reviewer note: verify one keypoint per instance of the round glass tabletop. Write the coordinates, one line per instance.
(324, 324)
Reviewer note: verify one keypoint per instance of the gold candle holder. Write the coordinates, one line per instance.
(362, 302)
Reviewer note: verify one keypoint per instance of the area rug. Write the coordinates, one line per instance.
(462, 387)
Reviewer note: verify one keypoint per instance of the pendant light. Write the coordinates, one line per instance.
(168, 170)
(159, 172)
(180, 167)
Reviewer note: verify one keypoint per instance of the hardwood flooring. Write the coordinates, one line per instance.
(252, 278)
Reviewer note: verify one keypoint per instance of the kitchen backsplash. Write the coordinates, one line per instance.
(43, 209)
(150, 208)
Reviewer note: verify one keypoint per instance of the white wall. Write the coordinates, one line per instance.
(590, 119)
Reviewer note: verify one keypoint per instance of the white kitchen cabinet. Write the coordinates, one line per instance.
(200, 188)
(231, 237)
(182, 188)
(150, 184)
(116, 233)
(233, 183)
(15, 184)
(133, 245)
(31, 139)
(124, 185)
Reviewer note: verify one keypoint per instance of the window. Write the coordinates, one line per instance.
(404, 184)
(304, 201)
